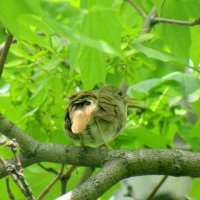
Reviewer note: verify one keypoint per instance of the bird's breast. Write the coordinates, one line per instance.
(100, 132)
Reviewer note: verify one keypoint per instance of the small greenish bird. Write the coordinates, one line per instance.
(95, 117)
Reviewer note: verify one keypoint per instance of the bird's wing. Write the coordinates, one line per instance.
(81, 107)
(107, 108)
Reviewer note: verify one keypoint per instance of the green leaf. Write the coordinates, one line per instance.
(192, 136)
(128, 15)
(145, 137)
(194, 192)
(30, 113)
(92, 67)
(87, 4)
(95, 25)
(183, 84)
(152, 53)
(177, 37)
(195, 50)
(22, 21)
(4, 87)
(40, 94)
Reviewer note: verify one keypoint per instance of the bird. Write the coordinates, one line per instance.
(95, 117)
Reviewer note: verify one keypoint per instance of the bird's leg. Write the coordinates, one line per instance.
(81, 140)
(105, 145)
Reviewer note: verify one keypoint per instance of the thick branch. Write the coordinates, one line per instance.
(123, 164)
(13, 132)
(5, 52)
(95, 186)
(116, 164)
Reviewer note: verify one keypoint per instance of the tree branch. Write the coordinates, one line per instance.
(47, 188)
(178, 22)
(137, 8)
(95, 186)
(10, 194)
(5, 52)
(123, 164)
(152, 194)
(151, 18)
(116, 164)
(148, 22)
(65, 177)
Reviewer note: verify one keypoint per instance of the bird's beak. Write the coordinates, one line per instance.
(130, 100)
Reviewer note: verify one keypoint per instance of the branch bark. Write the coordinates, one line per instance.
(178, 22)
(5, 52)
(116, 164)
(151, 19)
(124, 164)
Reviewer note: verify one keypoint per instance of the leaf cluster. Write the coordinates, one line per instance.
(61, 47)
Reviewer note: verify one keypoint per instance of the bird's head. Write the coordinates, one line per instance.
(117, 94)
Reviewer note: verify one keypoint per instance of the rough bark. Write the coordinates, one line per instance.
(115, 164)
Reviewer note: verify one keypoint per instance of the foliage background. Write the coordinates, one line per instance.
(63, 46)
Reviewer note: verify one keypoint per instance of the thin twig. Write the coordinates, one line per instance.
(11, 170)
(148, 22)
(10, 194)
(151, 19)
(13, 145)
(157, 188)
(48, 169)
(19, 171)
(65, 177)
(178, 22)
(137, 8)
(47, 188)
(5, 52)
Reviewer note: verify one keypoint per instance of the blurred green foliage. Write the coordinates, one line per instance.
(63, 46)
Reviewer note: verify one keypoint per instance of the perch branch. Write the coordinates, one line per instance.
(116, 164)
(125, 164)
